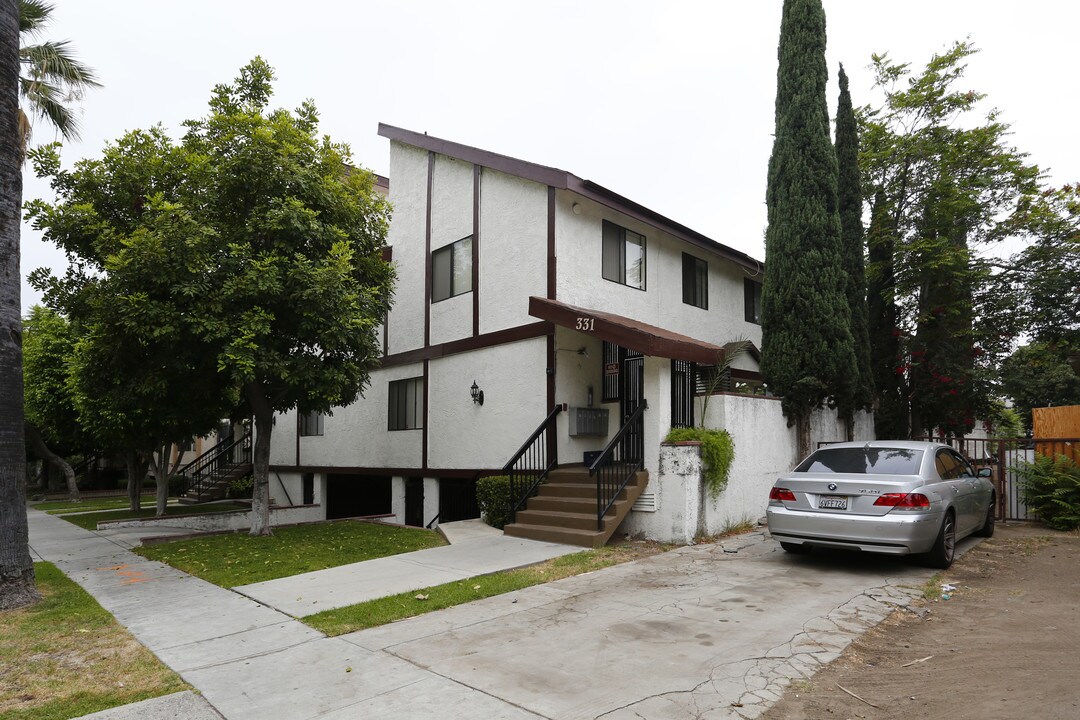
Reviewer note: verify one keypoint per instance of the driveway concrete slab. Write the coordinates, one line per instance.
(690, 633)
(708, 631)
(476, 553)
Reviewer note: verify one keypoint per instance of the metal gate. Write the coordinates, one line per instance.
(1003, 456)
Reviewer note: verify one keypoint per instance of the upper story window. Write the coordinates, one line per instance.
(451, 270)
(406, 406)
(311, 424)
(752, 299)
(624, 256)
(695, 281)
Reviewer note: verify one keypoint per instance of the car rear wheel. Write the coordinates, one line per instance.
(987, 529)
(796, 548)
(941, 555)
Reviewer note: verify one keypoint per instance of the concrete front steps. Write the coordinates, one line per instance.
(564, 509)
(217, 487)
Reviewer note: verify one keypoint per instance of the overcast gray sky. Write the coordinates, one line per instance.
(668, 103)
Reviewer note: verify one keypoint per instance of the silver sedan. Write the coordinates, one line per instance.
(896, 497)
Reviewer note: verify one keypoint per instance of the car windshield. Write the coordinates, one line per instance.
(878, 461)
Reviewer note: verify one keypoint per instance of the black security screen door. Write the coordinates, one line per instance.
(633, 382)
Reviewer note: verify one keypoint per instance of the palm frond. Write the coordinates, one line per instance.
(47, 101)
(33, 14)
(54, 63)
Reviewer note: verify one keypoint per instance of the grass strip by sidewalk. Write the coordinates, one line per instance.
(59, 507)
(66, 657)
(404, 605)
(239, 559)
(90, 520)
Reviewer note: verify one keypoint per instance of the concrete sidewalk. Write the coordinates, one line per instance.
(713, 631)
(475, 549)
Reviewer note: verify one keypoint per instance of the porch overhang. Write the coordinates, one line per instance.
(627, 332)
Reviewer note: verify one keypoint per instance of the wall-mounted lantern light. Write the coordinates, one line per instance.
(476, 393)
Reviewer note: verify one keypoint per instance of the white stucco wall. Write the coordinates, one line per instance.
(462, 434)
(408, 195)
(451, 220)
(580, 281)
(513, 249)
(215, 522)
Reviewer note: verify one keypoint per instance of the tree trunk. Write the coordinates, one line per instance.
(136, 468)
(34, 439)
(160, 467)
(17, 587)
(802, 430)
(260, 461)
(849, 425)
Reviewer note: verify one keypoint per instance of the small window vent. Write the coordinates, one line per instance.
(646, 502)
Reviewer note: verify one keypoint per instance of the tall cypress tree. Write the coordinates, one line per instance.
(886, 361)
(808, 355)
(849, 192)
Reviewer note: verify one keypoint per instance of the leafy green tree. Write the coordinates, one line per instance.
(860, 394)
(808, 353)
(51, 423)
(301, 285)
(1046, 273)
(887, 358)
(50, 77)
(953, 188)
(17, 586)
(1037, 376)
(247, 259)
(138, 266)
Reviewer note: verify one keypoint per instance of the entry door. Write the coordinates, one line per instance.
(633, 391)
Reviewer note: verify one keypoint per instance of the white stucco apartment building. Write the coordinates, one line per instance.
(540, 289)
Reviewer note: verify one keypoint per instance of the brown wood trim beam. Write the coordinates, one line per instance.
(499, 337)
(381, 472)
(427, 249)
(476, 252)
(424, 438)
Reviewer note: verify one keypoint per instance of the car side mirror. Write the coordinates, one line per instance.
(986, 472)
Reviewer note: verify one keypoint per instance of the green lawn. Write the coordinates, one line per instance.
(66, 657)
(90, 520)
(397, 607)
(239, 559)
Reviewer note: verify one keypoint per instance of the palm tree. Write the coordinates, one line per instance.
(50, 78)
(17, 586)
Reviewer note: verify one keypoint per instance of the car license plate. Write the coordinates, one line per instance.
(832, 502)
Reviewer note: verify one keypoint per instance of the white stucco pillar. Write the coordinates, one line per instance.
(657, 380)
(397, 498)
(431, 498)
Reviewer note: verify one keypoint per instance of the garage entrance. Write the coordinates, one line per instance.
(457, 499)
(350, 495)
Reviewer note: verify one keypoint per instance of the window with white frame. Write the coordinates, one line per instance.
(451, 270)
(624, 256)
(695, 281)
(406, 404)
(311, 424)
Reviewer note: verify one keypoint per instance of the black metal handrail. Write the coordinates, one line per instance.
(202, 472)
(531, 464)
(622, 457)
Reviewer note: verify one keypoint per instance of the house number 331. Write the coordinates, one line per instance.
(586, 324)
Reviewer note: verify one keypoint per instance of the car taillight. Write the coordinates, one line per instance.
(904, 501)
(781, 495)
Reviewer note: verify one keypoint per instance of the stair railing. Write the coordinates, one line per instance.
(531, 463)
(201, 473)
(622, 457)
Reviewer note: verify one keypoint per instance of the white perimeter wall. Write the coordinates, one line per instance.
(765, 448)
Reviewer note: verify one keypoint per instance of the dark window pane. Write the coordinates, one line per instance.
(875, 461)
(752, 300)
(695, 275)
(442, 273)
(613, 257)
